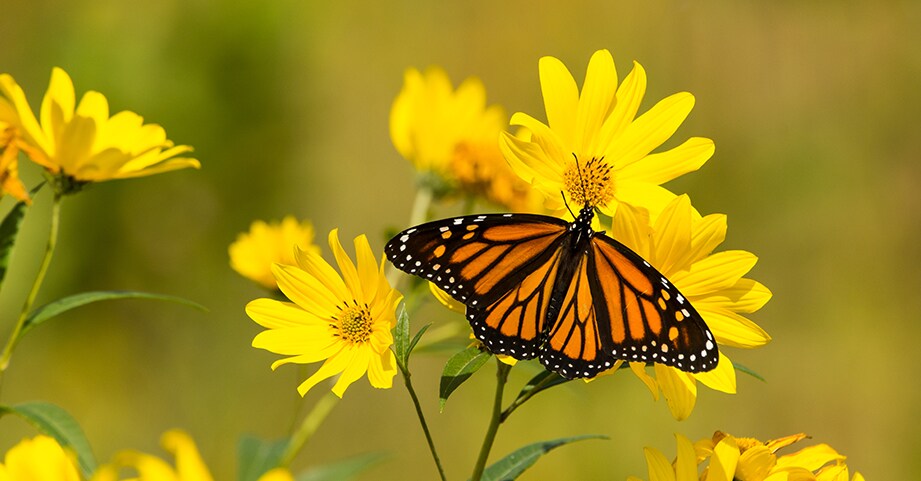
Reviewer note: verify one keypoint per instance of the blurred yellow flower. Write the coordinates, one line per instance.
(189, 463)
(451, 137)
(593, 149)
(9, 162)
(345, 320)
(747, 459)
(254, 252)
(38, 459)
(679, 244)
(83, 142)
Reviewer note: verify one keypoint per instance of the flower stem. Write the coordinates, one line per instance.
(425, 427)
(311, 423)
(501, 378)
(36, 285)
(418, 215)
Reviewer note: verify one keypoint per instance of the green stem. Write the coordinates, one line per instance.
(495, 420)
(311, 423)
(425, 427)
(418, 215)
(36, 285)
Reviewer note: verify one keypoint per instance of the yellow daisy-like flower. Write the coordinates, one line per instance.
(38, 459)
(253, 253)
(189, 465)
(82, 142)
(9, 154)
(680, 244)
(593, 149)
(451, 137)
(747, 459)
(345, 320)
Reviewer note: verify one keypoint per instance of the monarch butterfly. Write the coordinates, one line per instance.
(538, 286)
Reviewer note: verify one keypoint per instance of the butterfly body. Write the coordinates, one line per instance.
(538, 286)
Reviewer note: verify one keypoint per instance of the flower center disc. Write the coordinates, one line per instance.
(589, 183)
(355, 324)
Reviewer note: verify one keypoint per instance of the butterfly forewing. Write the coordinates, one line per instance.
(477, 259)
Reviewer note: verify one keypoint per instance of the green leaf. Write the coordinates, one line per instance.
(512, 465)
(542, 381)
(748, 371)
(458, 369)
(416, 338)
(344, 470)
(257, 456)
(59, 306)
(57, 423)
(8, 230)
(401, 339)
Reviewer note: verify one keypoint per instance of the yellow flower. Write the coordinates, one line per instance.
(680, 244)
(189, 464)
(254, 252)
(345, 320)
(84, 143)
(451, 137)
(38, 459)
(747, 459)
(593, 149)
(9, 154)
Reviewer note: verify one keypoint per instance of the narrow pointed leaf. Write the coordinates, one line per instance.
(458, 369)
(257, 456)
(8, 230)
(401, 339)
(54, 421)
(416, 338)
(748, 371)
(344, 470)
(60, 306)
(512, 465)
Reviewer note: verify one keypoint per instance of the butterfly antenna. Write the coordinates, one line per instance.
(581, 178)
(563, 194)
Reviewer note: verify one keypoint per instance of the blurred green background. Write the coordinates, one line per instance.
(813, 107)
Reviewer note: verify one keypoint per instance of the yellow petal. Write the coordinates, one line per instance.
(722, 378)
(660, 469)
(755, 464)
(446, 300)
(731, 329)
(639, 369)
(529, 161)
(627, 102)
(662, 167)
(31, 130)
(745, 296)
(650, 130)
(561, 98)
(724, 460)
(833, 473)
(686, 459)
(630, 226)
(276, 314)
(368, 272)
(316, 343)
(554, 150)
(315, 266)
(674, 228)
(307, 291)
(811, 458)
(595, 103)
(382, 369)
(645, 196)
(401, 113)
(679, 389)
(716, 272)
(708, 232)
(334, 365)
(277, 474)
(360, 357)
(346, 267)
(57, 105)
(189, 464)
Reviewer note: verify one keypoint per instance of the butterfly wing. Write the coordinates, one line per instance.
(641, 316)
(502, 266)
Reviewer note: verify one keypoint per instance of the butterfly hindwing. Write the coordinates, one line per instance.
(644, 316)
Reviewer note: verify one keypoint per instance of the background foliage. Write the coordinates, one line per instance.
(812, 105)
